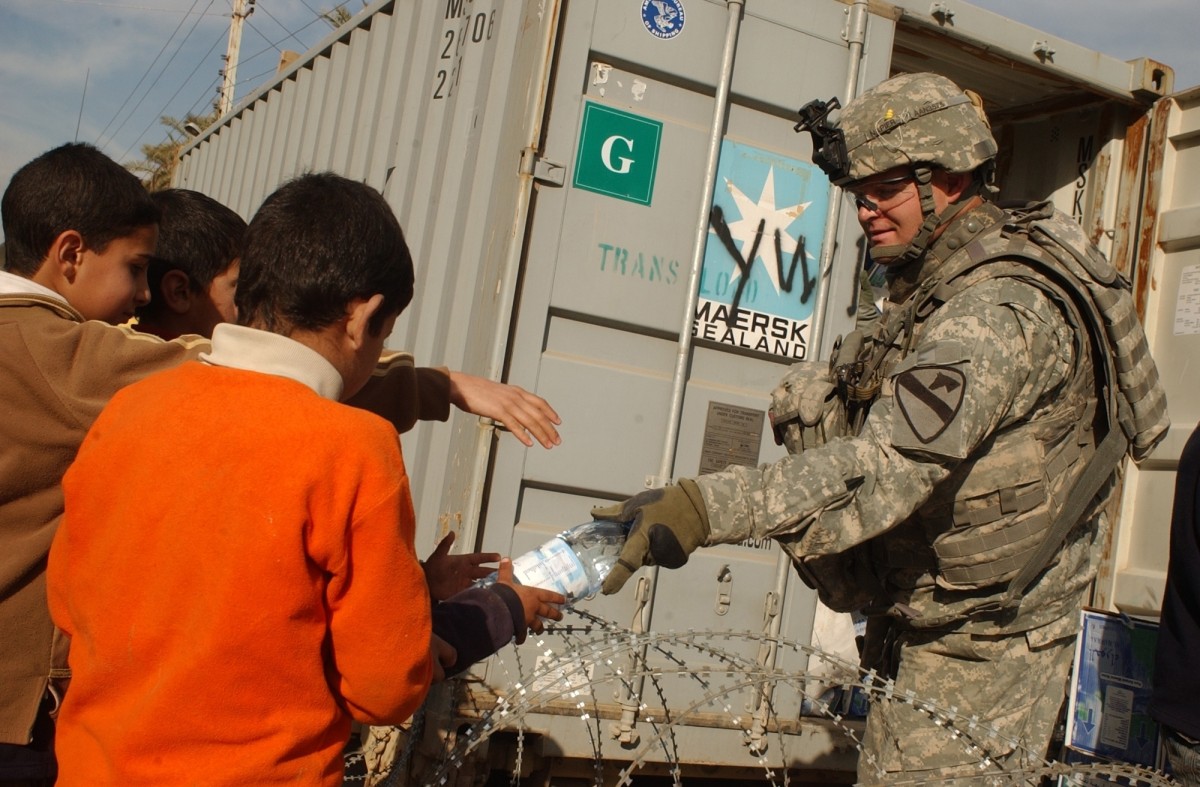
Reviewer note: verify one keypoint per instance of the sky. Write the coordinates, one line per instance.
(141, 59)
(1163, 30)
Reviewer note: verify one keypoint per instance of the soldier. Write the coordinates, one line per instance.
(975, 433)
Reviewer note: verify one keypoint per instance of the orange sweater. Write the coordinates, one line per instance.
(236, 571)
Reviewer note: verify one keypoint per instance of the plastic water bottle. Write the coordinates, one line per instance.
(574, 563)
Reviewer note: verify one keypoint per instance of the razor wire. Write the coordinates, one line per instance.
(590, 656)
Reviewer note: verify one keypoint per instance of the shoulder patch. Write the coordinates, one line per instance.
(929, 398)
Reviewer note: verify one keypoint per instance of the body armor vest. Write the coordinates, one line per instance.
(1001, 517)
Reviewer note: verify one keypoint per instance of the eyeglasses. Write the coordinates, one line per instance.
(881, 195)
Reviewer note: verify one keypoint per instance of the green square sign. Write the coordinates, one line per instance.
(618, 154)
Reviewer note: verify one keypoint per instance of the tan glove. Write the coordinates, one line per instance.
(668, 524)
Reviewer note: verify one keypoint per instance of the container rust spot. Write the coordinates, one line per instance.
(1124, 252)
(1148, 234)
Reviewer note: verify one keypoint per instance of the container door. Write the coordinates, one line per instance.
(1168, 292)
(605, 287)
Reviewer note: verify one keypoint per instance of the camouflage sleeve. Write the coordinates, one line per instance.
(990, 357)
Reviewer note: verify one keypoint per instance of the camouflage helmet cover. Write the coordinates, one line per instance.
(915, 119)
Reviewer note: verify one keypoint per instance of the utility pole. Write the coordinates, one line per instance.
(241, 10)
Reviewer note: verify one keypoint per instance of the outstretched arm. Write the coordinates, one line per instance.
(404, 394)
(527, 415)
(985, 361)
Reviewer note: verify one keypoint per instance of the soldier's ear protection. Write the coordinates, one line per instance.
(829, 143)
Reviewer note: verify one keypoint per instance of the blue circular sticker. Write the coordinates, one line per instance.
(663, 18)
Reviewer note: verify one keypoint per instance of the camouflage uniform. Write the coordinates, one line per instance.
(987, 404)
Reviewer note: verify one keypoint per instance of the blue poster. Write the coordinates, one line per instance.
(759, 282)
(1111, 688)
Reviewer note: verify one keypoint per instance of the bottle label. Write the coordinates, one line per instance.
(553, 566)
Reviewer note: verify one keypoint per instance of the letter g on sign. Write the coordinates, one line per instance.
(606, 154)
(605, 162)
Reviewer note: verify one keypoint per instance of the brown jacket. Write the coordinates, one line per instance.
(57, 371)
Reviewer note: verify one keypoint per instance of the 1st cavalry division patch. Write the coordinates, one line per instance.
(930, 398)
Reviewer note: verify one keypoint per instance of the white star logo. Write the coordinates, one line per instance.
(744, 230)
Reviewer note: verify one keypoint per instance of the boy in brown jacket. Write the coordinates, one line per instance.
(79, 232)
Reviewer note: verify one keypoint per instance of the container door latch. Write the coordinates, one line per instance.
(724, 590)
(543, 170)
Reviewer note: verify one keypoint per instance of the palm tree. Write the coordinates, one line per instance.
(336, 16)
(157, 166)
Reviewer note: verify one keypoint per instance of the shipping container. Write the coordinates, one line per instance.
(584, 185)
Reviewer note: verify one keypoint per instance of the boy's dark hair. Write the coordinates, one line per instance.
(196, 235)
(72, 187)
(317, 243)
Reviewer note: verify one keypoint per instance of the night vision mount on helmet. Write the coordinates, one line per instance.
(829, 144)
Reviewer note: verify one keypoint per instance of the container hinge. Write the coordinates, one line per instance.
(942, 13)
(543, 170)
(724, 590)
(1043, 51)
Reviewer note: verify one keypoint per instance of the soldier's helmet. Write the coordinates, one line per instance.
(915, 119)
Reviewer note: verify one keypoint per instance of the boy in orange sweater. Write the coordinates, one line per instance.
(238, 578)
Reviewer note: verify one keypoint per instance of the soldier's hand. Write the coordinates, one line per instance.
(668, 524)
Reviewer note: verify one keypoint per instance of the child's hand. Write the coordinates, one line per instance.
(447, 574)
(444, 656)
(537, 603)
(528, 416)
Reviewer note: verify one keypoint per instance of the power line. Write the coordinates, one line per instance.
(260, 53)
(281, 25)
(271, 46)
(257, 77)
(166, 44)
(79, 120)
(178, 90)
(264, 38)
(175, 54)
(276, 44)
(315, 12)
(211, 86)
